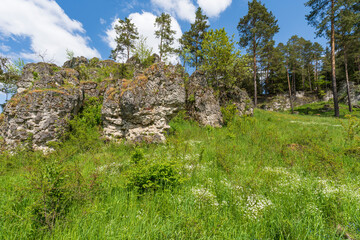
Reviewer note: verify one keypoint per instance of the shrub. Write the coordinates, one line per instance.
(56, 186)
(151, 176)
(229, 112)
(84, 128)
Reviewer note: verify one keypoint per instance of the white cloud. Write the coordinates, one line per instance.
(145, 24)
(213, 8)
(4, 48)
(47, 26)
(184, 9)
(102, 21)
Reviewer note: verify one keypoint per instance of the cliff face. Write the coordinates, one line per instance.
(138, 102)
(140, 109)
(47, 98)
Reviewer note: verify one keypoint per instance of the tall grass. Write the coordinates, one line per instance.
(271, 176)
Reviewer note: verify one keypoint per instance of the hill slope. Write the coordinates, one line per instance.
(271, 176)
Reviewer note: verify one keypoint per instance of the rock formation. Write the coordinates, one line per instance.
(138, 103)
(354, 94)
(38, 114)
(281, 102)
(202, 105)
(140, 109)
(240, 98)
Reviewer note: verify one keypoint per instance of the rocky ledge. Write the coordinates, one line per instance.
(138, 102)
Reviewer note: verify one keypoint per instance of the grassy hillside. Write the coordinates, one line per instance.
(271, 176)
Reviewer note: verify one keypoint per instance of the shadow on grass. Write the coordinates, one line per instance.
(325, 109)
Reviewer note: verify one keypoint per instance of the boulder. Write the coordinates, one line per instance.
(281, 102)
(39, 114)
(240, 98)
(76, 62)
(202, 104)
(354, 93)
(140, 109)
(33, 72)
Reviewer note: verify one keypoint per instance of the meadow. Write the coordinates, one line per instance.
(270, 176)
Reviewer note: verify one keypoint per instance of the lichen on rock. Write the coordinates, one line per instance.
(38, 114)
(202, 104)
(140, 109)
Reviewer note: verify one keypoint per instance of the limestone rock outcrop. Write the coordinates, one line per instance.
(140, 109)
(38, 114)
(354, 94)
(75, 62)
(281, 102)
(202, 104)
(240, 98)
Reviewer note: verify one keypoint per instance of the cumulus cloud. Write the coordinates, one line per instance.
(213, 8)
(145, 24)
(4, 48)
(183, 9)
(47, 26)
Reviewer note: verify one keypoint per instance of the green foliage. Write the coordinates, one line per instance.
(142, 51)
(94, 62)
(271, 176)
(35, 75)
(165, 34)
(69, 54)
(352, 128)
(84, 134)
(229, 112)
(10, 73)
(152, 175)
(126, 36)
(191, 41)
(56, 186)
(219, 57)
(256, 29)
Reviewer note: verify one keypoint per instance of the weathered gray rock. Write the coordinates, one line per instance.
(240, 98)
(32, 72)
(39, 114)
(354, 94)
(281, 102)
(76, 62)
(140, 109)
(327, 96)
(202, 105)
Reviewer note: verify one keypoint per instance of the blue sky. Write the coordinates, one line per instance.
(29, 28)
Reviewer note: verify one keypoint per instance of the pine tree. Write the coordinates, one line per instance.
(317, 51)
(166, 35)
(193, 39)
(284, 49)
(346, 36)
(255, 30)
(127, 35)
(322, 16)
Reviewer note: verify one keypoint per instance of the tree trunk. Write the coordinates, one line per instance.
(294, 81)
(309, 76)
(255, 69)
(333, 73)
(289, 85)
(316, 74)
(160, 48)
(303, 78)
(255, 87)
(347, 78)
